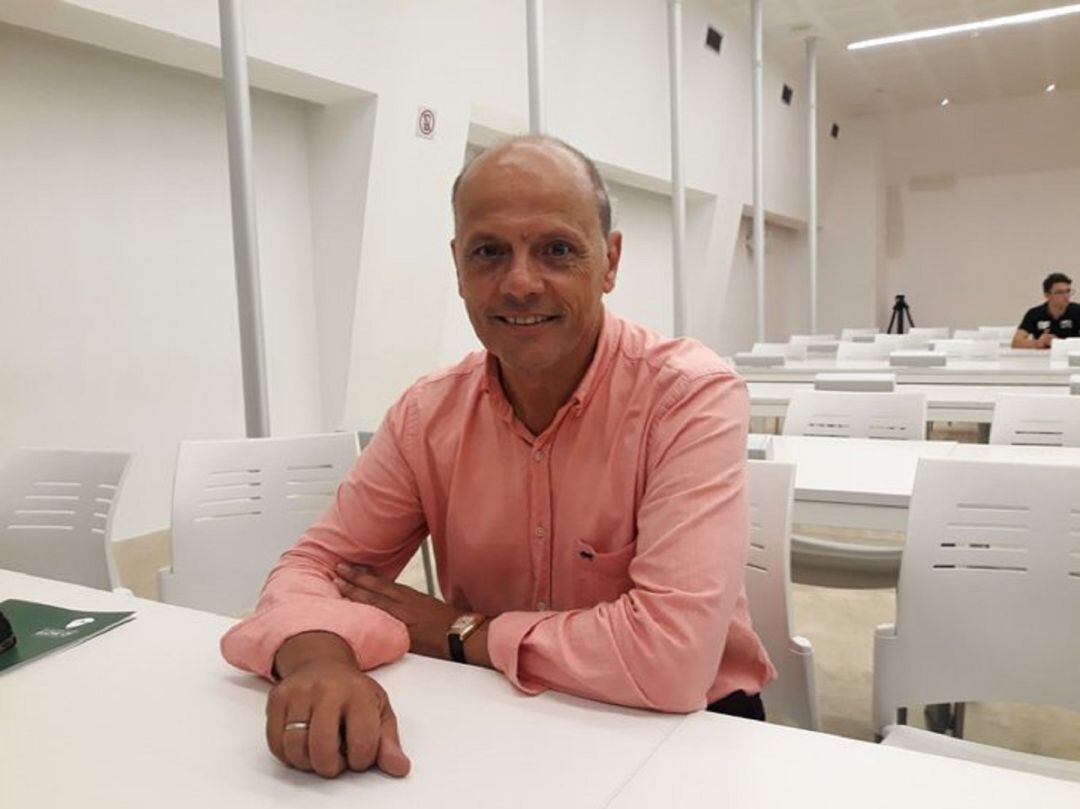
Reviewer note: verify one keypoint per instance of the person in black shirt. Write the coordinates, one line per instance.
(1056, 318)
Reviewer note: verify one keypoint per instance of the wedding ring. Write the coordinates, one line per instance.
(296, 726)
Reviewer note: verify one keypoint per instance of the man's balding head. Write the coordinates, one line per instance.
(541, 147)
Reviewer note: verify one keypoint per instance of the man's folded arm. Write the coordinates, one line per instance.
(376, 520)
(659, 644)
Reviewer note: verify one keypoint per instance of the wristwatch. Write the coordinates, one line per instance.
(459, 632)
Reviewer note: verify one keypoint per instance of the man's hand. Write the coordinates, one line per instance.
(326, 714)
(426, 618)
(1044, 340)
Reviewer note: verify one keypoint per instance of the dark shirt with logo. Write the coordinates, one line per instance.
(1038, 320)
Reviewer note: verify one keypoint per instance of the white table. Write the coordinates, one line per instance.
(149, 714)
(970, 403)
(715, 761)
(1039, 370)
(854, 482)
(867, 483)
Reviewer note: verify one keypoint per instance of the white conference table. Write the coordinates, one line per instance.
(149, 715)
(1009, 371)
(708, 762)
(969, 403)
(867, 483)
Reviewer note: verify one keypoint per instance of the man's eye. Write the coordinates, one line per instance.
(487, 251)
(559, 249)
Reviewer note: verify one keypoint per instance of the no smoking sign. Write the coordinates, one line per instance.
(425, 123)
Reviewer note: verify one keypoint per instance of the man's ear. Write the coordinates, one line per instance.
(457, 269)
(614, 253)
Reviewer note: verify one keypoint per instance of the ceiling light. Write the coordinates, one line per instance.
(1051, 87)
(995, 22)
(944, 102)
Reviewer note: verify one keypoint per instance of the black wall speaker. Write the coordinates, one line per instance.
(786, 95)
(713, 39)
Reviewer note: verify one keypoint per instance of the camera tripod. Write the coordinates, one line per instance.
(900, 310)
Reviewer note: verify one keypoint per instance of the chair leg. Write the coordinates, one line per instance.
(425, 556)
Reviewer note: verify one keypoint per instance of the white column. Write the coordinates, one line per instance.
(812, 177)
(245, 238)
(678, 187)
(759, 169)
(534, 22)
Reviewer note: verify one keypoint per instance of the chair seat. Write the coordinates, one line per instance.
(830, 563)
(923, 741)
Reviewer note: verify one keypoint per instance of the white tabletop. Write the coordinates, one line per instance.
(716, 761)
(863, 471)
(148, 714)
(977, 401)
(1039, 370)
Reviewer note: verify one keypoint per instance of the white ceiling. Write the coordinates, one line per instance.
(1012, 61)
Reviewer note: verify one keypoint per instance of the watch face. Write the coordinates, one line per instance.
(461, 623)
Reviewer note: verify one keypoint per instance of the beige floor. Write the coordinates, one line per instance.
(839, 623)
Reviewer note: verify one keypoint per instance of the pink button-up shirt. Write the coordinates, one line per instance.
(611, 547)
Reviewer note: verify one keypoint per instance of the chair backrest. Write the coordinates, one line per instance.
(793, 695)
(966, 334)
(791, 351)
(981, 349)
(989, 590)
(56, 508)
(1060, 349)
(812, 338)
(862, 351)
(1051, 420)
(898, 342)
(238, 505)
(847, 335)
(857, 415)
(930, 332)
(1003, 334)
(859, 382)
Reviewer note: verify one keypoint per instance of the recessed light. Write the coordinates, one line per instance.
(1051, 87)
(994, 22)
(944, 102)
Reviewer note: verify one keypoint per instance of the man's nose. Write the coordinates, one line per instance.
(522, 279)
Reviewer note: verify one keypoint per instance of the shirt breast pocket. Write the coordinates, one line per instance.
(601, 576)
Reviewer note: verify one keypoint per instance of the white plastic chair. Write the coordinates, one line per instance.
(856, 382)
(899, 416)
(793, 695)
(1061, 349)
(238, 505)
(1003, 334)
(897, 342)
(928, 333)
(981, 349)
(849, 335)
(1048, 420)
(967, 334)
(862, 351)
(791, 351)
(988, 594)
(797, 339)
(56, 508)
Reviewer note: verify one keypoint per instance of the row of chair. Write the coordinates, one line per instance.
(1019, 418)
(987, 596)
(881, 346)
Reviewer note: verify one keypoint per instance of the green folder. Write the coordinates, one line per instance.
(43, 628)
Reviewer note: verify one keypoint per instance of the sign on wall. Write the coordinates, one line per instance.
(425, 123)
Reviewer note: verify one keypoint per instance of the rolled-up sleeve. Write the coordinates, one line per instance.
(377, 520)
(659, 645)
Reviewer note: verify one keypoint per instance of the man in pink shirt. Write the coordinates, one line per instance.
(582, 481)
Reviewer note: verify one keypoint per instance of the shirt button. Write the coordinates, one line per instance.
(539, 530)
(538, 456)
(542, 606)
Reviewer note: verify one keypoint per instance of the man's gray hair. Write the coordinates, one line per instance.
(603, 198)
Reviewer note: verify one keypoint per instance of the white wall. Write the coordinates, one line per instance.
(117, 299)
(353, 209)
(984, 203)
